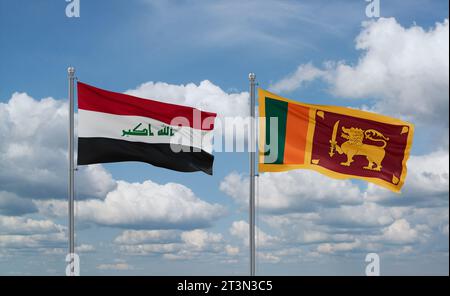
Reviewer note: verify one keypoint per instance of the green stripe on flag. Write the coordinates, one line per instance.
(279, 109)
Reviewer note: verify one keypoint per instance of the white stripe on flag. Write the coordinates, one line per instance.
(92, 124)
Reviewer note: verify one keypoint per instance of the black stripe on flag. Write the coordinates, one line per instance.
(103, 150)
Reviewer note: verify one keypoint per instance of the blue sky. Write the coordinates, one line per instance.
(200, 53)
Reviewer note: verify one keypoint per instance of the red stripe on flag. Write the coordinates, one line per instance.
(96, 99)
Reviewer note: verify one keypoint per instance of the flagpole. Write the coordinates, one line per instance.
(252, 78)
(71, 76)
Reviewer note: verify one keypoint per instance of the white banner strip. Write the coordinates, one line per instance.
(92, 124)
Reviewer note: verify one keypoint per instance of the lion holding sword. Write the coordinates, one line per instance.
(355, 146)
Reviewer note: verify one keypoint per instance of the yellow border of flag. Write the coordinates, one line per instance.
(262, 94)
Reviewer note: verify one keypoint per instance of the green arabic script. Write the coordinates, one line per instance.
(164, 131)
(137, 132)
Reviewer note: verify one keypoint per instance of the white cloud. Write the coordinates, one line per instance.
(205, 96)
(405, 69)
(408, 68)
(267, 257)
(400, 232)
(149, 204)
(135, 237)
(11, 204)
(293, 191)
(375, 219)
(19, 234)
(305, 229)
(312, 236)
(240, 229)
(361, 228)
(427, 183)
(330, 248)
(304, 73)
(142, 205)
(84, 248)
(433, 217)
(146, 249)
(199, 239)
(61, 251)
(34, 242)
(174, 245)
(366, 215)
(115, 266)
(327, 226)
(233, 251)
(34, 151)
(21, 225)
(94, 178)
(400, 251)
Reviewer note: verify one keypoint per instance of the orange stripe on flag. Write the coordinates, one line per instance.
(296, 132)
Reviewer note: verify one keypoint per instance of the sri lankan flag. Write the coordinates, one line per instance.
(335, 141)
(114, 127)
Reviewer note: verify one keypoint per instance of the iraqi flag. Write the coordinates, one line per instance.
(114, 127)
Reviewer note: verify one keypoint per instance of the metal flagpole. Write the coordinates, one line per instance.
(252, 78)
(71, 73)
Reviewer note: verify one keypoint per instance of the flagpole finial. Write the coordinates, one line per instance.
(251, 76)
(71, 70)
